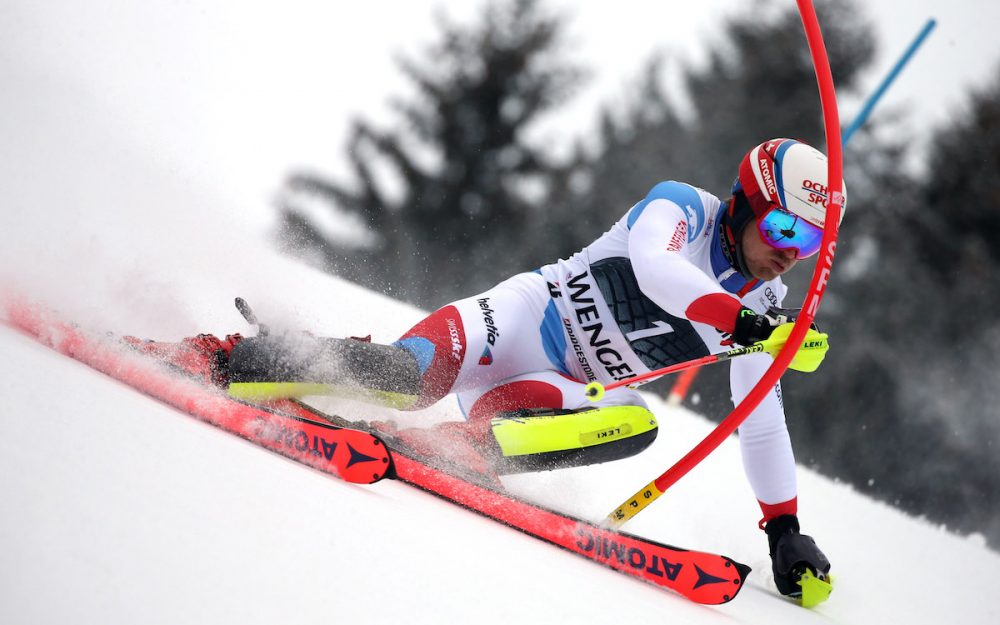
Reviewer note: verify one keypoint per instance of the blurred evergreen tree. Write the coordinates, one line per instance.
(758, 83)
(897, 409)
(919, 366)
(452, 195)
(903, 406)
(960, 233)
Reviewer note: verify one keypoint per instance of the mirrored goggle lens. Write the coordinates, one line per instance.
(784, 231)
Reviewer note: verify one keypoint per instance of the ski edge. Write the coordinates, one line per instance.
(702, 577)
(354, 456)
(699, 576)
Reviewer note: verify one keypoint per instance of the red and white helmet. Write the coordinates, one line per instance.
(790, 174)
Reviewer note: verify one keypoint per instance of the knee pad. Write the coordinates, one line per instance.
(538, 440)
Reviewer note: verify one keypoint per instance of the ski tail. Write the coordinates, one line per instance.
(352, 455)
(701, 577)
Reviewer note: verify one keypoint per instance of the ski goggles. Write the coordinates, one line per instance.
(784, 231)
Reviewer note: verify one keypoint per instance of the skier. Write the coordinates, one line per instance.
(679, 276)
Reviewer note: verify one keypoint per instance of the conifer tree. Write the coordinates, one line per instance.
(454, 214)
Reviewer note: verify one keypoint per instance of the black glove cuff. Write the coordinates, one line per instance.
(751, 327)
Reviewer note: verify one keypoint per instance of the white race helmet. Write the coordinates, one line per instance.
(789, 174)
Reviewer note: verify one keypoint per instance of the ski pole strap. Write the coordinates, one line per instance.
(646, 495)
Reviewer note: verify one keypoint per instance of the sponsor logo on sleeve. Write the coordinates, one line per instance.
(457, 350)
(696, 219)
(492, 332)
(708, 228)
(679, 238)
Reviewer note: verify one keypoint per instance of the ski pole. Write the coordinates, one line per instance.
(810, 354)
(251, 317)
(595, 390)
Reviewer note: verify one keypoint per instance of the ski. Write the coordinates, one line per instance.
(350, 451)
(700, 576)
(352, 455)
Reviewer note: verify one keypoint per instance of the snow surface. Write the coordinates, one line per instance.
(118, 509)
(131, 145)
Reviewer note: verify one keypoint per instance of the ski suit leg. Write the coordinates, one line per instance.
(473, 342)
(482, 340)
(488, 350)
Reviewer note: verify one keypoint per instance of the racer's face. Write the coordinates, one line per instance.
(763, 261)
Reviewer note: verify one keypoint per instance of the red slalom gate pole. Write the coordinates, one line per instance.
(817, 286)
(681, 387)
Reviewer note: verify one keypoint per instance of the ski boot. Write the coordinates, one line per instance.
(204, 356)
(801, 570)
(297, 365)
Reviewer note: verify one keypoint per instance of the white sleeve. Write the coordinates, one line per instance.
(657, 246)
(764, 442)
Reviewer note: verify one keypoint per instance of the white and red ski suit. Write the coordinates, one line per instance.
(657, 289)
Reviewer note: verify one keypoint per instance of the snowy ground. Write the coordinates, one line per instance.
(119, 509)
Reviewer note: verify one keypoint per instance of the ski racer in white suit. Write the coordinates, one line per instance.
(679, 276)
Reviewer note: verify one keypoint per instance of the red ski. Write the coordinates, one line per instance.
(335, 445)
(700, 576)
(351, 455)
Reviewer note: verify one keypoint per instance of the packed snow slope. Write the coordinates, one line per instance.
(118, 509)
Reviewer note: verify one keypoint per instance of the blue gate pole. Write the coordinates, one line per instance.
(877, 94)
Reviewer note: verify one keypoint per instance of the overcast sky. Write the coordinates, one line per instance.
(238, 92)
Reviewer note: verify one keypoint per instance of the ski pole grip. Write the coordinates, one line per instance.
(594, 391)
(246, 311)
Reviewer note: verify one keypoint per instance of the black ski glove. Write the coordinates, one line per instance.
(751, 327)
